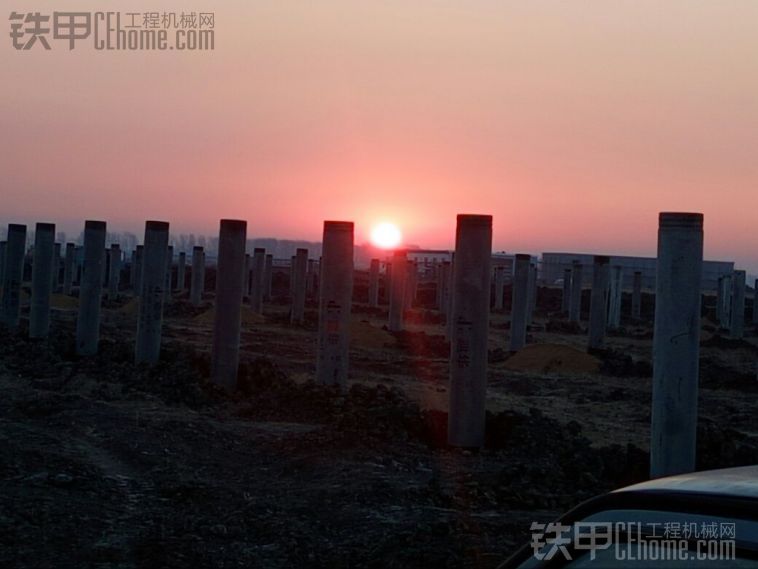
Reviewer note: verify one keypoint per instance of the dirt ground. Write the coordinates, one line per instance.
(109, 464)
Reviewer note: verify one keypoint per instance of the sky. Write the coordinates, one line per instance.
(572, 123)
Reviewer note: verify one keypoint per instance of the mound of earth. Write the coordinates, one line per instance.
(363, 334)
(63, 302)
(130, 307)
(180, 308)
(547, 358)
(621, 364)
(246, 313)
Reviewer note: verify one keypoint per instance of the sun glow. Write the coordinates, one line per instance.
(386, 235)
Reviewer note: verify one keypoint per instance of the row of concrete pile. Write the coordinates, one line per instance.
(463, 295)
(606, 294)
(82, 265)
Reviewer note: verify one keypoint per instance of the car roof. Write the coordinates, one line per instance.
(740, 482)
(729, 492)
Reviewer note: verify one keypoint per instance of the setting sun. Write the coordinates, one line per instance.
(386, 236)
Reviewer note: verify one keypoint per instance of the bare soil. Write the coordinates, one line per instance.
(109, 464)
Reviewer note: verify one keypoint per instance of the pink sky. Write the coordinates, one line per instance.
(572, 123)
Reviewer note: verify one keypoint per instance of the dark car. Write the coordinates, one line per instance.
(702, 519)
